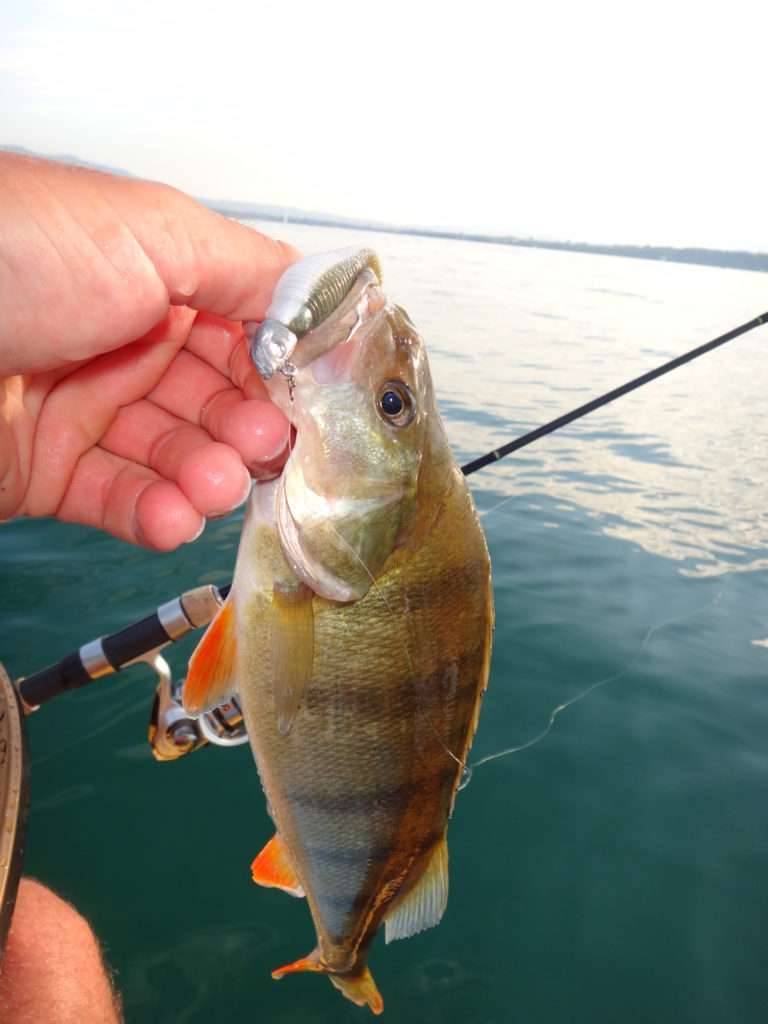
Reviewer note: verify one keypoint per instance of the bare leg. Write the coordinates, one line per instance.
(52, 971)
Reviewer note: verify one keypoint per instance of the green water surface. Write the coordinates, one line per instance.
(615, 870)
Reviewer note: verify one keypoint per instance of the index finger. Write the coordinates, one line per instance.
(221, 343)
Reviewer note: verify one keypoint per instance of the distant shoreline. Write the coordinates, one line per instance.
(730, 259)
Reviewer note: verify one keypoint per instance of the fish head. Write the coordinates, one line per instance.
(360, 398)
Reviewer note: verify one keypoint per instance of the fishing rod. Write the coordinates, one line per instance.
(142, 640)
(609, 396)
(172, 732)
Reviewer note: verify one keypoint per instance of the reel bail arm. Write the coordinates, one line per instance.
(172, 732)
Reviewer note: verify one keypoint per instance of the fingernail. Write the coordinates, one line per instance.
(271, 464)
(279, 450)
(199, 532)
(246, 492)
(141, 540)
(238, 504)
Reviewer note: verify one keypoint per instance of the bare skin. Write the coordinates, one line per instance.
(128, 402)
(127, 398)
(52, 970)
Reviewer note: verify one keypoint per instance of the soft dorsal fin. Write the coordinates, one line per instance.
(210, 676)
(424, 905)
(293, 649)
(273, 868)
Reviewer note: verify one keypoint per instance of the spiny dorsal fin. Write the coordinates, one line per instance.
(273, 868)
(210, 676)
(293, 648)
(425, 904)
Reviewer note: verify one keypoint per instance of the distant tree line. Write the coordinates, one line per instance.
(737, 260)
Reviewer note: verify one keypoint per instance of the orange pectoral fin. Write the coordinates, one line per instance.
(210, 676)
(273, 868)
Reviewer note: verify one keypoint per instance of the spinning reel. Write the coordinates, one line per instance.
(172, 732)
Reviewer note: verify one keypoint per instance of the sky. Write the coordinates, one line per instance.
(602, 122)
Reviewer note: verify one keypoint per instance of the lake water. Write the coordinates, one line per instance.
(613, 870)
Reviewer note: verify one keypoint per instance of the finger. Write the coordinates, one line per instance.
(79, 408)
(187, 386)
(193, 390)
(208, 261)
(244, 374)
(211, 475)
(214, 339)
(151, 436)
(221, 343)
(256, 429)
(129, 501)
(123, 249)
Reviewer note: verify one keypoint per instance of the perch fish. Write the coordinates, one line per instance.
(357, 632)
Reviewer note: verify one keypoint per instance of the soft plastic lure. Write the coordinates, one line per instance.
(307, 293)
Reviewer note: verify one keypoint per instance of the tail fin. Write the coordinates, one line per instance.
(359, 987)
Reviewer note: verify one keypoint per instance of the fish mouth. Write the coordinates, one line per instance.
(307, 293)
(332, 535)
(327, 355)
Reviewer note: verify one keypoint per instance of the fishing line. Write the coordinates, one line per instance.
(141, 637)
(559, 708)
(548, 428)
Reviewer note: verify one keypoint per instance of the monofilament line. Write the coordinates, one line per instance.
(651, 632)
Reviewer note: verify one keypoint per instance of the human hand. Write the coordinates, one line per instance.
(128, 400)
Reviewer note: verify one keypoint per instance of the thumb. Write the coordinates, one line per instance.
(209, 262)
(93, 261)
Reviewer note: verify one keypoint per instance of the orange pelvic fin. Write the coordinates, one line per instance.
(360, 988)
(313, 962)
(273, 868)
(210, 677)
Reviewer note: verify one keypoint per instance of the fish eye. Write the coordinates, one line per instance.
(396, 404)
(391, 403)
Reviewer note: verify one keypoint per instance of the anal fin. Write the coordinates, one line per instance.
(273, 868)
(424, 905)
(210, 676)
(293, 649)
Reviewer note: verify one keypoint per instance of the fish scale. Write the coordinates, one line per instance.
(360, 740)
(361, 792)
